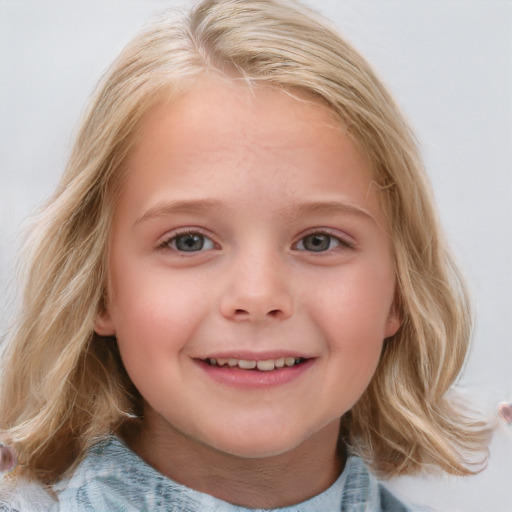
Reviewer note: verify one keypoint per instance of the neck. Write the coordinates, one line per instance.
(266, 482)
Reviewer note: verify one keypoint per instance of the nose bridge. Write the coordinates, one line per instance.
(258, 286)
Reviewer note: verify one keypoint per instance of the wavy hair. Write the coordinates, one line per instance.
(64, 387)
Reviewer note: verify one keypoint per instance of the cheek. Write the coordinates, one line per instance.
(151, 305)
(154, 319)
(353, 314)
(355, 305)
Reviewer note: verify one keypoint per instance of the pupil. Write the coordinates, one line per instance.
(189, 243)
(317, 243)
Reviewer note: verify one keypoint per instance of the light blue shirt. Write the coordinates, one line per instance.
(112, 478)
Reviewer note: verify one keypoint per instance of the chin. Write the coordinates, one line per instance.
(257, 452)
(256, 447)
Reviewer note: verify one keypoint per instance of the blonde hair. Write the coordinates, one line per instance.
(64, 387)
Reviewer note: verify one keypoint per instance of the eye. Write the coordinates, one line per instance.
(319, 242)
(189, 242)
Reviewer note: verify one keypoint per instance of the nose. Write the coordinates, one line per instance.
(258, 290)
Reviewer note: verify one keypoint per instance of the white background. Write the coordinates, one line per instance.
(449, 64)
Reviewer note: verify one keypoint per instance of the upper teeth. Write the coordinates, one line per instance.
(247, 364)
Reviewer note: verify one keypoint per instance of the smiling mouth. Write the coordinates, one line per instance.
(266, 365)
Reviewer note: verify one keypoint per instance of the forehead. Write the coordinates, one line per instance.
(258, 139)
(214, 104)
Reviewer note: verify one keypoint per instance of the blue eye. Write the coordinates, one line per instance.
(190, 242)
(318, 242)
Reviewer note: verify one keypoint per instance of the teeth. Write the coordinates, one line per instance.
(289, 361)
(246, 365)
(266, 365)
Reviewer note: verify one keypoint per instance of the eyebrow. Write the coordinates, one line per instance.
(328, 207)
(204, 206)
(186, 206)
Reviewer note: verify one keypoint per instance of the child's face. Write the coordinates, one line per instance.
(248, 231)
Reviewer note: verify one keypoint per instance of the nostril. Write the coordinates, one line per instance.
(255, 311)
(273, 313)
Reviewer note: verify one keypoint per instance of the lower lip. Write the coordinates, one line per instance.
(255, 379)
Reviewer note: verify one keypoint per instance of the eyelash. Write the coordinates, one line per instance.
(167, 243)
(340, 244)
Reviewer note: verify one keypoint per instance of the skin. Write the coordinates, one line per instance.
(255, 173)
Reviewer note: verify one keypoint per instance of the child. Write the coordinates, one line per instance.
(239, 296)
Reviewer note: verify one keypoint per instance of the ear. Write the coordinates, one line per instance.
(394, 320)
(393, 323)
(104, 325)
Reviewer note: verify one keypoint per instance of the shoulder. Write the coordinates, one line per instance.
(388, 502)
(97, 476)
(111, 477)
(25, 496)
(94, 476)
(363, 488)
